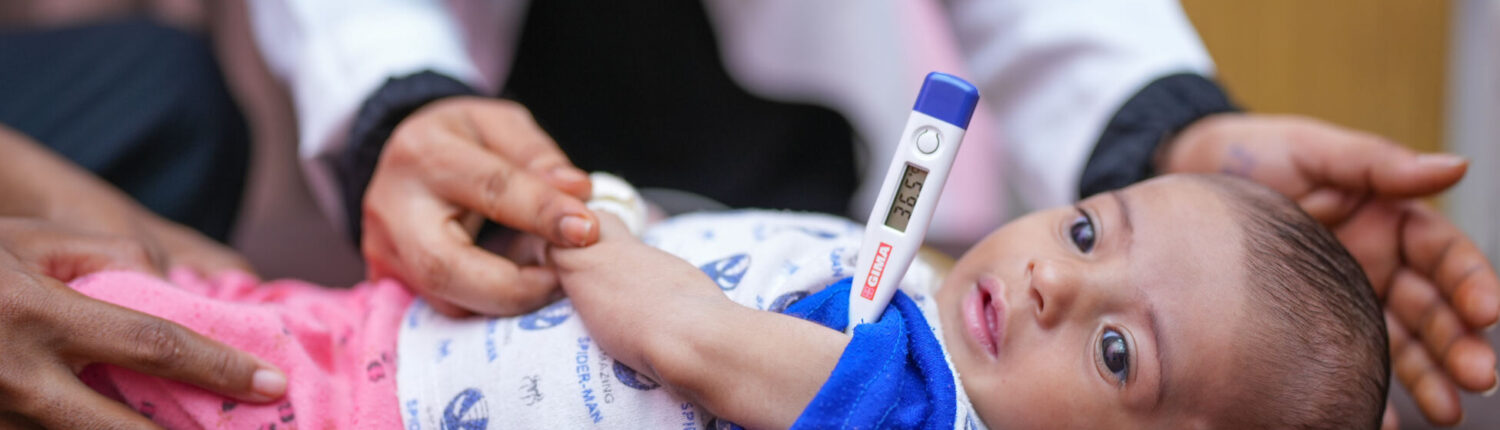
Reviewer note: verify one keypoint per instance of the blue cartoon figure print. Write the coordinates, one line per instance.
(467, 411)
(548, 317)
(818, 233)
(628, 377)
(728, 271)
(723, 424)
(785, 301)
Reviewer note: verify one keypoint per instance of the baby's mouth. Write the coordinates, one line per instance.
(984, 315)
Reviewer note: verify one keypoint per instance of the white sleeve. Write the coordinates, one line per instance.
(1054, 72)
(333, 54)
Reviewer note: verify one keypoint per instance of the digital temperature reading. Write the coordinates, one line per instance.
(906, 198)
(903, 210)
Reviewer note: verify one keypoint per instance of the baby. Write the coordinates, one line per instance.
(1185, 301)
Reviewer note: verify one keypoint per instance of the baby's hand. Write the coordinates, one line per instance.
(619, 258)
(668, 320)
(623, 214)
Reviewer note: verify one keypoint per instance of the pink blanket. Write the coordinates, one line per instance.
(337, 347)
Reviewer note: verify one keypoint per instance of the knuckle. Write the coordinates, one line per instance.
(22, 308)
(158, 344)
(433, 273)
(543, 157)
(34, 402)
(222, 370)
(508, 104)
(13, 306)
(372, 216)
(383, 200)
(516, 111)
(132, 250)
(408, 144)
(13, 388)
(494, 187)
(404, 148)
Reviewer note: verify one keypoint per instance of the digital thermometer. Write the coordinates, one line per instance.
(909, 193)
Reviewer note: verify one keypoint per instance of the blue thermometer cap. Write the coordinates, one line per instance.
(948, 98)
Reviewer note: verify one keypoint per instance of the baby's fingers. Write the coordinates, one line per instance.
(611, 227)
(612, 232)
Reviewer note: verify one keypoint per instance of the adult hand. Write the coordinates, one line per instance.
(444, 169)
(38, 184)
(166, 244)
(1439, 290)
(50, 333)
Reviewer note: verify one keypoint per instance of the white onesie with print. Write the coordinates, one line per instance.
(542, 370)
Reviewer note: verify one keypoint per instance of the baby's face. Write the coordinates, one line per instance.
(1121, 312)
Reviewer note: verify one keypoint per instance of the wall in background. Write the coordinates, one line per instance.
(1376, 65)
(1474, 108)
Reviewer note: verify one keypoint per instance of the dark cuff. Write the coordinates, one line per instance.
(377, 118)
(1125, 153)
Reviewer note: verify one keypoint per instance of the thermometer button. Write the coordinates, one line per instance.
(928, 140)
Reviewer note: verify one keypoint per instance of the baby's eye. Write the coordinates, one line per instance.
(1114, 354)
(1081, 232)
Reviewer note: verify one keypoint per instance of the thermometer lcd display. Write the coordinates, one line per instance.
(906, 198)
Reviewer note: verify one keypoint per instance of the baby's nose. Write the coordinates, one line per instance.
(1053, 288)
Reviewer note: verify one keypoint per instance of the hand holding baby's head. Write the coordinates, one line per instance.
(1185, 301)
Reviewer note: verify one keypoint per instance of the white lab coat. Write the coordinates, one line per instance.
(1050, 73)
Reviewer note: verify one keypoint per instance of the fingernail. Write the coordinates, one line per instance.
(268, 383)
(568, 174)
(1441, 160)
(575, 229)
(1493, 387)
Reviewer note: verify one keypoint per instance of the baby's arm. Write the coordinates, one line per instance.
(663, 317)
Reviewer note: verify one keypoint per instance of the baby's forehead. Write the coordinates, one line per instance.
(1183, 220)
(1194, 187)
(1238, 193)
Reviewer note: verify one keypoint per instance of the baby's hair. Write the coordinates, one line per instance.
(1323, 361)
